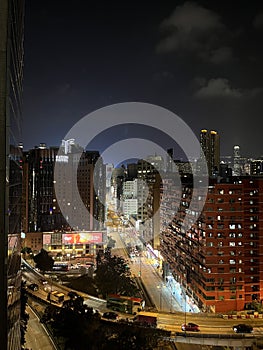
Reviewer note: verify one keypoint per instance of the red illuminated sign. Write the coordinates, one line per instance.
(82, 238)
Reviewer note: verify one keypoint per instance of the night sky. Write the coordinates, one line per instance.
(202, 60)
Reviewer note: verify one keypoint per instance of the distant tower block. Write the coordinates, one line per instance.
(237, 167)
(169, 160)
(210, 144)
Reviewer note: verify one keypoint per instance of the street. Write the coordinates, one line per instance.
(167, 296)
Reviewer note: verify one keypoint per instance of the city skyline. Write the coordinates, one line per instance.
(200, 60)
(130, 80)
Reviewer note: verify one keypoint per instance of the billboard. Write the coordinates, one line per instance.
(46, 239)
(82, 238)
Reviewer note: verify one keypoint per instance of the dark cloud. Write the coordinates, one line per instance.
(258, 21)
(222, 88)
(220, 55)
(218, 87)
(192, 28)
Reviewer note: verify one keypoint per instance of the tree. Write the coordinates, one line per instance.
(83, 329)
(43, 261)
(113, 276)
(76, 323)
(126, 336)
(111, 243)
(26, 251)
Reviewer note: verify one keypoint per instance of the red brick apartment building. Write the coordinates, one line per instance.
(219, 260)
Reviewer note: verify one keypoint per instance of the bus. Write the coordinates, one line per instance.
(125, 304)
(56, 297)
(61, 266)
(120, 305)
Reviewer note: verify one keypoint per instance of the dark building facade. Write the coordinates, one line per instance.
(42, 211)
(219, 259)
(210, 144)
(11, 75)
(149, 188)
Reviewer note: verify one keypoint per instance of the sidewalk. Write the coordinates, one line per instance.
(36, 336)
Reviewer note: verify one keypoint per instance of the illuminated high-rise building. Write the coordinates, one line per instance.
(237, 167)
(149, 185)
(218, 260)
(210, 144)
(11, 74)
(81, 196)
(40, 211)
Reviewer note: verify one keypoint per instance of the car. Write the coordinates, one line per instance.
(243, 328)
(192, 327)
(110, 315)
(33, 286)
(43, 281)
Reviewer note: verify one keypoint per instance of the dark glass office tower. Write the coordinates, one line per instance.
(210, 144)
(11, 73)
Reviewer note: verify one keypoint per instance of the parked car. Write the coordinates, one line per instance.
(192, 327)
(243, 328)
(33, 286)
(110, 315)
